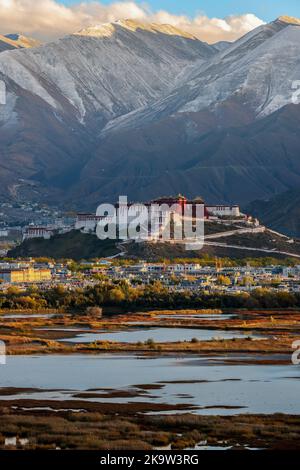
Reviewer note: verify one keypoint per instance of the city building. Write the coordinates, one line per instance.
(37, 232)
(222, 211)
(87, 222)
(25, 275)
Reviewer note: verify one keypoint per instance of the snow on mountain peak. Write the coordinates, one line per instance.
(108, 29)
(104, 30)
(20, 41)
(257, 70)
(134, 25)
(105, 70)
(289, 20)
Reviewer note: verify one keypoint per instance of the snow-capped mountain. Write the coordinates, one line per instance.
(259, 70)
(131, 108)
(230, 131)
(61, 94)
(16, 41)
(21, 41)
(108, 69)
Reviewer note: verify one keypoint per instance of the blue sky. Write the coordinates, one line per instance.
(264, 9)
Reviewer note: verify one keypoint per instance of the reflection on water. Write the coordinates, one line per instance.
(204, 316)
(207, 381)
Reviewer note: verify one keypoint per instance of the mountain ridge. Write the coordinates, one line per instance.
(16, 41)
(226, 75)
(139, 107)
(108, 29)
(71, 88)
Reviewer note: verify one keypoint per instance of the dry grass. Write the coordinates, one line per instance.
(27, 336)
(92, 430)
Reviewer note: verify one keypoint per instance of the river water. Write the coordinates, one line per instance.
(157, 334)
(193, 380)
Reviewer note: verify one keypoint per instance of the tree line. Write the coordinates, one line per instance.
(155, 295)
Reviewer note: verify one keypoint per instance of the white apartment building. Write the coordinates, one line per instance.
(37, 232)
(223, 211)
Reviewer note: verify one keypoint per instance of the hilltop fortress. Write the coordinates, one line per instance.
(175, 209)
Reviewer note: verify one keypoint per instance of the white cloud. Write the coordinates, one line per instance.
(213, 29)
(48, 19)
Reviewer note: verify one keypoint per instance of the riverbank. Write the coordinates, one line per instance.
(101, 429)
(65, 387)
(19, 346)
(188, 331)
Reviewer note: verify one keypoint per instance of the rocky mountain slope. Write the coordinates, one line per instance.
(105, 71)
(60, 95)
(229, 133)
(196, 153)
(221, 45)
(6, 44)
(282, 212)
(252, 70)
(139, 109)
